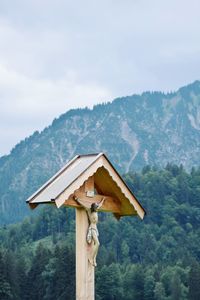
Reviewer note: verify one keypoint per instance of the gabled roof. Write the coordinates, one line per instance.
(77, 171)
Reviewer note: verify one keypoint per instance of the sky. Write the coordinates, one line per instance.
(58, 55)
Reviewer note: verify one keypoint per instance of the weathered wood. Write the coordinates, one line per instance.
(33, 205)
(88, 168)
(90, 178)
(84, 270)
(89, 184)
(129, 197)
(110, 204)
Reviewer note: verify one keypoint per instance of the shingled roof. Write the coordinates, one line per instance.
(62, 186)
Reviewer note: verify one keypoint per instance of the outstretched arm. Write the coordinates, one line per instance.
(83, 204)
(100, 203)
(87, 205)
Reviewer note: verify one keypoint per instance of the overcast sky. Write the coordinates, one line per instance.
(57, 55)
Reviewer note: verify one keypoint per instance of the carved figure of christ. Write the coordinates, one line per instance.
(92, 233)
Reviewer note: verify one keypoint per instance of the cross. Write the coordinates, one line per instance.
(89, 183)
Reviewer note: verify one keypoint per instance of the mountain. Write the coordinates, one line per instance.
(153, 128)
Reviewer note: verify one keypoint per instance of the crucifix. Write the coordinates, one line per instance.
(89, 183)
(92, 232)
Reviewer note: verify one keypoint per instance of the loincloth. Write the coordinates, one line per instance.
(90, 233)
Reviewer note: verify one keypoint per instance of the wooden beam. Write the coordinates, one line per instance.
(125, 190)
(33, 205)
(84, 270)
(89, 185)
(98, 189)
(110, 204)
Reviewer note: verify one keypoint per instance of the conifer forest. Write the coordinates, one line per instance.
(154, 259)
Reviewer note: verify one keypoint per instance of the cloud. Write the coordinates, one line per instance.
(31, 104)
(56, 55)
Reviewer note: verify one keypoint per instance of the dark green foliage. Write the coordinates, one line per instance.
(176, 292)
(109, 283)
(154, 259)
(5, 288)
(34, 277)
(159, 292)
(59, 275)
(149, 286)
(134, 283)
(194, 281)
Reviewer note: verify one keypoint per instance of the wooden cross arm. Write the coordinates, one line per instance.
(109, 204)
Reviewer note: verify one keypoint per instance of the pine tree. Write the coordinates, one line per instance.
(5, 288)
(194, 281)
(176, 291)
(159, 291)
(59, 275)
(11, 273)
(109, 283)
(65, 274)
(36, 289)
(22, 277)
(134, 283)
(149, 285)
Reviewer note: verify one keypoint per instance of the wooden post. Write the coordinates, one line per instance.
(78, 184)
(84, 270)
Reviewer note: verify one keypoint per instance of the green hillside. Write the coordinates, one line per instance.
(157, 259)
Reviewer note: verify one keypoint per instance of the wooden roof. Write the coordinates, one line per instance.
(69, 180)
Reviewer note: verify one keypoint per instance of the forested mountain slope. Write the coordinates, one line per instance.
(152, 128)
(157, 258)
